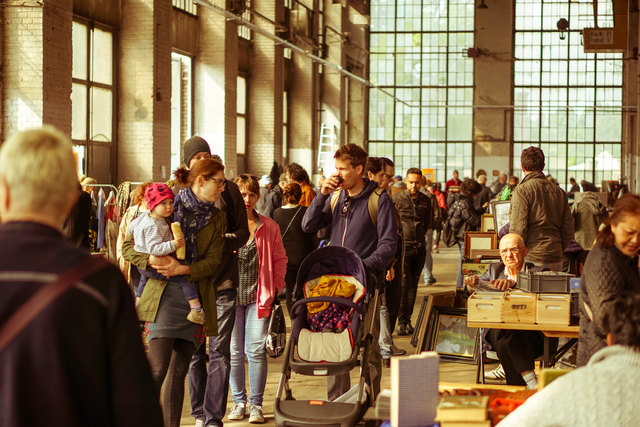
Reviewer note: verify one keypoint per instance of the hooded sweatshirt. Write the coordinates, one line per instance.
(375, 245)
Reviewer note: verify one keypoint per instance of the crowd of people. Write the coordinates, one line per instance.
(240, 246)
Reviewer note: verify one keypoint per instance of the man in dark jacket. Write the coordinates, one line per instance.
(80, 360)
(517, 350)
(352, 227)
(481, 201)
(208, 391)
(434, 223)
(540, 213)
(416, 213)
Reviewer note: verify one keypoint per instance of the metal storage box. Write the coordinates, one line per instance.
(551, 282)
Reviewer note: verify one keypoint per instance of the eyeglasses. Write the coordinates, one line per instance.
(220, 182)
(344, 210)
(514, 251)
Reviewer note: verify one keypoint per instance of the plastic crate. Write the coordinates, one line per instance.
(543, 282)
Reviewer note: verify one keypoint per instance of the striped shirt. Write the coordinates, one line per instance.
(152, 236)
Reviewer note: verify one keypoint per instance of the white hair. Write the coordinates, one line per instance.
(39, 169)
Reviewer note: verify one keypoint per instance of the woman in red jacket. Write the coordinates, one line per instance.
(262, 263)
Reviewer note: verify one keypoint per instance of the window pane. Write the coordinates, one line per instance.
(241, 139)
(78, 112)
(79, 152)
(241, 93)
(102, 57)
(79, 42)
(101, 114)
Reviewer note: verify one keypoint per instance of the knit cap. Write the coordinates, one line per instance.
(193, 146)
(156, 193)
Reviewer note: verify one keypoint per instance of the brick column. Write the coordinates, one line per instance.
(144, 101)
(36, 63)
(265, 95)
(216, 71)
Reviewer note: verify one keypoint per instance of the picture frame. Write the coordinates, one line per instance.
(443, 299)
(500, 210)
(450, 336)
(474, 240)
(487, 223)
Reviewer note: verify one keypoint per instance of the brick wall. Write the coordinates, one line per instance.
(162, 85)
(57, 63)
(136, 92)
(22, 65)
(265, 95)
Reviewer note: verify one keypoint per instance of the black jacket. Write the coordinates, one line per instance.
(416, 216)
(81, 361)
(231, 203)
(607, 273)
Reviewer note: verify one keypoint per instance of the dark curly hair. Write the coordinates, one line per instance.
(532, 159)
(374, 165)
(298, 173)
(292, 193)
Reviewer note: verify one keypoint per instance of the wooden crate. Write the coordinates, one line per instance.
(553, 309)
(485, 307)
(519, 307)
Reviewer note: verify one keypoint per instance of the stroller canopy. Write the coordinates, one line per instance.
(331, 260)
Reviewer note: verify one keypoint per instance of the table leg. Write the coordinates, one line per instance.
(480, 370)
(547, 357)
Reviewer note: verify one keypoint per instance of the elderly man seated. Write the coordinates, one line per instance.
(517, 350)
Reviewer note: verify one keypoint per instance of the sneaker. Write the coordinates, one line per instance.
(435, 249)
(431, 281)
(196, 316)
(255, 416)
(238, 411)
(199, 423)
(409, 329)
(395, 351)
(496, 374)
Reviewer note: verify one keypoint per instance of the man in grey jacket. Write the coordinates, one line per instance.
(540, 213)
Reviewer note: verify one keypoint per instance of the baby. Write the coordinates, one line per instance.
(152, 235)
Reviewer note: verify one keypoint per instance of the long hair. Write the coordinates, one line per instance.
(629, 204)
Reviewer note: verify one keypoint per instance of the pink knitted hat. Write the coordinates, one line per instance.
(156, 193)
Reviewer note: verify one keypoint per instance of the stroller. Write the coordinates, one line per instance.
(328, 352)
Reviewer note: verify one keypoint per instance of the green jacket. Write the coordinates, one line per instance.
(209, 241)
(541, 215)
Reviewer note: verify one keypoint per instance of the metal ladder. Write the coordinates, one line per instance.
(326, 147)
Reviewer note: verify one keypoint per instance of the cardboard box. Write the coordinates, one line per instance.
(519, 307)
(485, 307)
(553, 309)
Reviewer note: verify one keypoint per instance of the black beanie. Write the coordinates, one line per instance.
(193, 146)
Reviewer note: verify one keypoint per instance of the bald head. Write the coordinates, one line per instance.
(512, 251)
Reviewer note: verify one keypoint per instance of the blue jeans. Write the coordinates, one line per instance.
(460, 279)
(248, 338)
(209, 392)
(188, 288)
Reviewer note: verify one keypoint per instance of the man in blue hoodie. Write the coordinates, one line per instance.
(352, 226)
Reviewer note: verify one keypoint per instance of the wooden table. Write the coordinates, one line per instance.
(549, 331)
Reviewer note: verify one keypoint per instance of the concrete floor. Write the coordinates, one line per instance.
(445, 266)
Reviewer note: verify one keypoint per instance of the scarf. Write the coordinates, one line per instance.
(201, 212)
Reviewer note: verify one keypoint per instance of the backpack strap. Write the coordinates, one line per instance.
(372, 205)
(334, 199)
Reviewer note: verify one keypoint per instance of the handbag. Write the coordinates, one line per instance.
(276, 332)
